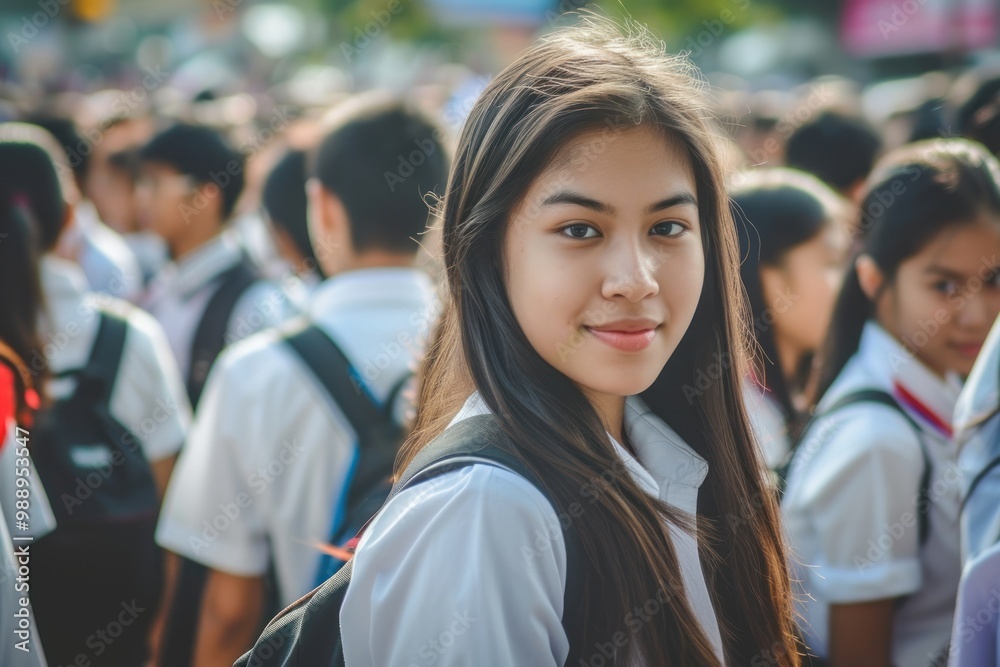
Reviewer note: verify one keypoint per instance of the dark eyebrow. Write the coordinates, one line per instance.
(566, 197)
(947, 273)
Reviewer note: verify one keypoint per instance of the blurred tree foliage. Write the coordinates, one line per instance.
(670, 18)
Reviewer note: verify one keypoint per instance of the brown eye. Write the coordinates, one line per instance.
(669, 228)
(579, 231)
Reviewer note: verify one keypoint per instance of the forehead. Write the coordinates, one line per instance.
(623, 167)
(963, 248)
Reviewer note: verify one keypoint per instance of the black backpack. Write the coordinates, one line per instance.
(307, 633)
(379, 435)
(102, 492)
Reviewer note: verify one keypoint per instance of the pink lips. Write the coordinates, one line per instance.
(626, 341)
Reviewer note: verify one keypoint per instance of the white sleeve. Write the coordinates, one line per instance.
(468, 568)
(211, 511)
(40, 521)
(149, 396)
(975, 639)
(860, 494)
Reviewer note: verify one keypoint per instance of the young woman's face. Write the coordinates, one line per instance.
(944, 299)
(800, 291)
(604, 259)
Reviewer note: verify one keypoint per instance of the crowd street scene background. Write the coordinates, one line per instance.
(393, 333)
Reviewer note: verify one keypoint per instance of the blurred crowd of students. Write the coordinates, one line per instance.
(185, 298)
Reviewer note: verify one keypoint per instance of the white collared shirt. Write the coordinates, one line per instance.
(850, 507)
(178, 295)
(977, 436)
(268, 434)
(148, 397)
(106, 259)
(469, 567)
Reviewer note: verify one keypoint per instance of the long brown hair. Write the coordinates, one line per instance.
(574, 80)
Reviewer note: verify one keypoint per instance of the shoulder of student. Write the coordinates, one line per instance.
(484, 538)
(264, 304)
(479, 517)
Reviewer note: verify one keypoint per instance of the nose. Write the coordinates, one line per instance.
(630, 271)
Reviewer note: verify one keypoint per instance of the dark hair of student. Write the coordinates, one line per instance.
(930, 186)
(776, 210)
(979, 116)
(381, 160)
(284, 199)
(838, 149)
(31, 217)
(203, 154)
(72, 142)
(584, 78)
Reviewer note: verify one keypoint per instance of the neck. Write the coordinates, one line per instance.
(611, 410)
(199, 234)
(379, 259)
(789, 358)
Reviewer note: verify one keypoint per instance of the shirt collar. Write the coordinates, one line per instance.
(198, 268)
(667, 467)
(370, 288)
(929, 396)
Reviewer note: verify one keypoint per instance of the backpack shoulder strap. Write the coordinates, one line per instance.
(882, 397)
(377, 433)
(481, 439)
(106, 354)
(210, 336)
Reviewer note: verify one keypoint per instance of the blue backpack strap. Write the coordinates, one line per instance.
(379, 436)
(882, 397)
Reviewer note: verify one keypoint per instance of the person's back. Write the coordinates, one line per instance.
(264, 478)
(210, 294)
(94, 444)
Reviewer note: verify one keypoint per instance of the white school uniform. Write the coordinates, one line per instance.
(269, 442)
(850, 507)
(178, 295)
(106, 259)
(469, 567)
(767, 422)
(975, 640)
(977, 434)
(148, 397)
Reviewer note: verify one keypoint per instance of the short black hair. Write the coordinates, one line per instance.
(284, 199)
(381, 160)
(202, 153)
(838, 149)
(77, 148)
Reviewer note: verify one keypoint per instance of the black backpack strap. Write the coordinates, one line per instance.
(210, 336)
(106, 353)
(374, 426)
(885, 398)
(481, 439)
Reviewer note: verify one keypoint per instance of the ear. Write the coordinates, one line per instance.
(870, 276)
(773, 281)
(329, 229)
(212, 194)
